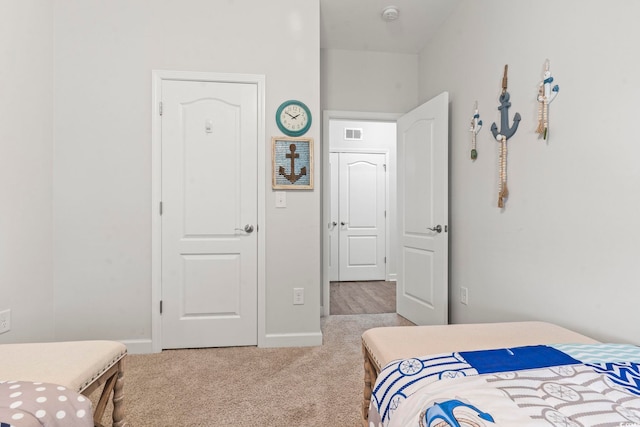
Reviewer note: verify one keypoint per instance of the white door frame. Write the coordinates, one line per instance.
(327, 116)
(156, 191)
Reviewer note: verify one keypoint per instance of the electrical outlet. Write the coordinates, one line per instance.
(298, 296)
(464, 295)
(5, 321)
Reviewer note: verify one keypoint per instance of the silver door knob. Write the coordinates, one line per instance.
(248, 228)
(342, 223)
(437, 228)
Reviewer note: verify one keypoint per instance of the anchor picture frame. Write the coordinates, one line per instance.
(292, 163)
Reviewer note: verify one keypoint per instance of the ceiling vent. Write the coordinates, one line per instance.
(353, 134)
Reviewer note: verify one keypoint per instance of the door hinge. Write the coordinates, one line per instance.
(160, 306)
(385, 214)
(385, 167)
(160, 108)
(160, 208)
(385, 260)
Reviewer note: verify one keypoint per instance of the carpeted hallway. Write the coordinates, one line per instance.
(249, 386)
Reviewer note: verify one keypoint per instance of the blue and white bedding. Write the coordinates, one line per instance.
(568, 385)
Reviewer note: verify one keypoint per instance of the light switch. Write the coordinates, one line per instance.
(281, 199)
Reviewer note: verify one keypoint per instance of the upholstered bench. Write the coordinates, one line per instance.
(82, 366)
(383, 345)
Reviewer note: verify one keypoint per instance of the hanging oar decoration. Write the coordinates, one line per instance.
(546, 94)
(502, 136)
(476, 125)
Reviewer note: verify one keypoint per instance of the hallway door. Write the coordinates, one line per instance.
(362, 216)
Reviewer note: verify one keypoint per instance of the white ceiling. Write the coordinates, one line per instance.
(358, 25)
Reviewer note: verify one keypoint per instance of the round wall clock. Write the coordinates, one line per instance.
(293, 118)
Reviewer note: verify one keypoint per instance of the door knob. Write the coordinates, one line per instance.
(332, 224)
(342, 223)
(249, 228)
(437, 228)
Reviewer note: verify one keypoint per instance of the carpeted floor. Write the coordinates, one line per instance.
(226, 387)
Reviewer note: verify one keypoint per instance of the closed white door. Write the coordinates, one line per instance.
(209, 196)
(334, 230)
(423, 199)
(362, 201)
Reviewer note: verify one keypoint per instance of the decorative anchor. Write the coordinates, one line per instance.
(292, 177)
(546, 94)
(505, 133)
(476, 125)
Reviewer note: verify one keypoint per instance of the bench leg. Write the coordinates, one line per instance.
(118, 398)
(370, 376)
(113, 380)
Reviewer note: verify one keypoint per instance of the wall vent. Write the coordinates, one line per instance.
(353, 134)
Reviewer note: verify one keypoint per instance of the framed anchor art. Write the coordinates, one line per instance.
(292, 163)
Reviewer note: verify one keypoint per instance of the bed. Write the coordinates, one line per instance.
(49, 384)
(514, 374)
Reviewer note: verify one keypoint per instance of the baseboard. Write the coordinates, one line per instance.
(392, 277)
(271, 340)
(293, 340)
(138, 346)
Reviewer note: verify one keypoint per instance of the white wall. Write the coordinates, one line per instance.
(565, 249)
(105, 52)
(368, 81)
(26, 98)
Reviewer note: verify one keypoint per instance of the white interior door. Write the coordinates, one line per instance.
(362, 216)
(334, 230)
(209, 196)
(423, 199)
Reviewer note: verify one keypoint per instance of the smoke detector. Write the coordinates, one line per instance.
(390, 13)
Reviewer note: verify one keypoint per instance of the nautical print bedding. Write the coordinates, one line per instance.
(29, 404)
(569, 385)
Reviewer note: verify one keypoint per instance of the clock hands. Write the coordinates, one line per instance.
(293, 117)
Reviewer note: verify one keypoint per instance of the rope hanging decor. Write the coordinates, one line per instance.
(546, 94)
(476, 125)
(502, 136)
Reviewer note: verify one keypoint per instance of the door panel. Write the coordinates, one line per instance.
(423, 156)
(362, 217)
(202, 297)
(418, 283)
(334, 229)
(209, 194)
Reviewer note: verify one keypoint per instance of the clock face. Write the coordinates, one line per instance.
(293, 118)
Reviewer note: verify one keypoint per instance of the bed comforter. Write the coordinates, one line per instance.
(568, 385)
(29, 404)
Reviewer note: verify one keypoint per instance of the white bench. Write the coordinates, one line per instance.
(82, 366)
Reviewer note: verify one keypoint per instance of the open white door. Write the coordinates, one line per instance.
(422, 290)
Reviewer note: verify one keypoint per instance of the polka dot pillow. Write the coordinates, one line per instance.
(29, 404)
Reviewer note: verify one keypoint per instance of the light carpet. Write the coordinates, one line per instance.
(250, 386)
